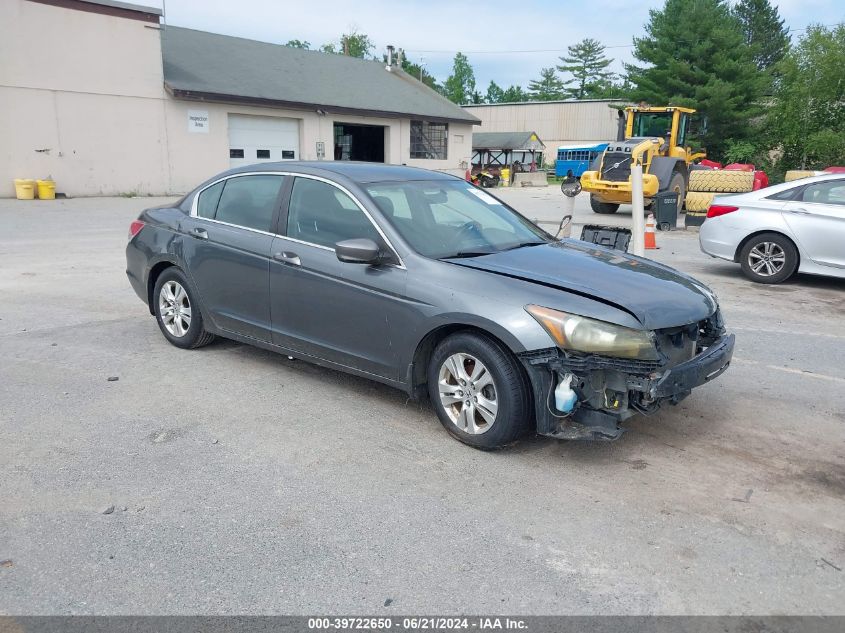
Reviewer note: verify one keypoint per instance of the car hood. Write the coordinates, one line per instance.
(658, 296)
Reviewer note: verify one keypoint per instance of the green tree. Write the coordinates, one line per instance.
(514, 94)
(494, 93)
(303, 44)
(460, 85)
(418, 72)
(764, 31)
(695, 55)
(588, 66)
(548, 87)
(616, 87)
(806, 121)
(352, 44)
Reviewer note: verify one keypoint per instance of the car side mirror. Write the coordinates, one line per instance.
(358, 251)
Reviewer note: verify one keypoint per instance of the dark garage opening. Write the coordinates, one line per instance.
(359, 142)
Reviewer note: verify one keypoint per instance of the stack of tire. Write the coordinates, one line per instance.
(798, 174)
(706, 183)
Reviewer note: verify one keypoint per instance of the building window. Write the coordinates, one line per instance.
(262, 153)
(236, 153)
(429, 140)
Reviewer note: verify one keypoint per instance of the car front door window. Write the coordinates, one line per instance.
(322, 214)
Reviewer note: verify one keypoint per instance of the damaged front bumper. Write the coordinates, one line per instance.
(610, 390)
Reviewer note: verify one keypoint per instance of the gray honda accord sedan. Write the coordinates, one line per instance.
(421, 281)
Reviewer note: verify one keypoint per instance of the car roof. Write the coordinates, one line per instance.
(359, 172)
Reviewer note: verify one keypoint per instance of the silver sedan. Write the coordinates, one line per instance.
(774, 232)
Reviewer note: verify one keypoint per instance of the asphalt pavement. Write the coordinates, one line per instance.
(138, 478)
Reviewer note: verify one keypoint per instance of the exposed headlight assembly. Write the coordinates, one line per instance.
(581, 334)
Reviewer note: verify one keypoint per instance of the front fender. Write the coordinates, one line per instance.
(663, 167)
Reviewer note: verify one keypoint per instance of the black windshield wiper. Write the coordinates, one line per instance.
(462, 254)
(522, 244)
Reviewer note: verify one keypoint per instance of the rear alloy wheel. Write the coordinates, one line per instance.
(478, 391)
(177, 314)
(768, 258)
(603, 208)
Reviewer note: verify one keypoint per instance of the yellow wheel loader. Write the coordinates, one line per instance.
(652, 137)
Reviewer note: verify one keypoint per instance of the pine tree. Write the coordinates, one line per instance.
(548, 87)
(764, 31)
(695, 55)
(587, 65)
(494, 93)
(460, 85)
(514, 94)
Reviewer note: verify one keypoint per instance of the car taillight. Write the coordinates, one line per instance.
(135, 228)
(716, 210)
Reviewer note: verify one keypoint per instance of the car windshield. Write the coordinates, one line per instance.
(443, 219)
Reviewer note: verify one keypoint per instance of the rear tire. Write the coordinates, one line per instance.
(479, 391)
(603, 208)
(769, 258)
(177, 311)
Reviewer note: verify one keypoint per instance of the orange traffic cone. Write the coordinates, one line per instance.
(650, 240)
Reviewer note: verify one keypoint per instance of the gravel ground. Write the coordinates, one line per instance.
(242, 482)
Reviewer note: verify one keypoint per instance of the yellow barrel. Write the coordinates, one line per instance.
(24, 189)
(506, 177)
(46, 189)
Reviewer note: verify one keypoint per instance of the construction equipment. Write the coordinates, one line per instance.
(652, 137)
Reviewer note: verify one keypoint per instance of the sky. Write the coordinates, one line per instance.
(494, 34)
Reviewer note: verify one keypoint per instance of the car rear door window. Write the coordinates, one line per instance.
(249, 201)
(208, 199)
(322, 214)
(830, 192)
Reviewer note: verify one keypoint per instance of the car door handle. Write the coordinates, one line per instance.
(286, 257)
(799, 211)
(200, 233)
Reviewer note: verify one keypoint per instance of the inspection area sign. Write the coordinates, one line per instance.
(198, 121)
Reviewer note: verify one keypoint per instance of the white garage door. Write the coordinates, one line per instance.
(262, 139)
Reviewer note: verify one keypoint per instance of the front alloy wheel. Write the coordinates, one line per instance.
(479, 390)
(468, 393)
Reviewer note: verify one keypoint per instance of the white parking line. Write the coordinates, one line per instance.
(741, 328)
(789, 370)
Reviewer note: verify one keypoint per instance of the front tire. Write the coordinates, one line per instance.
(479, 391)
(679, 186)
(177, 311)
(769, 258)
(602, 208)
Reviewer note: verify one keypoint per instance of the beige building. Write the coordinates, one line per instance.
(558, 123)
(104, 99)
